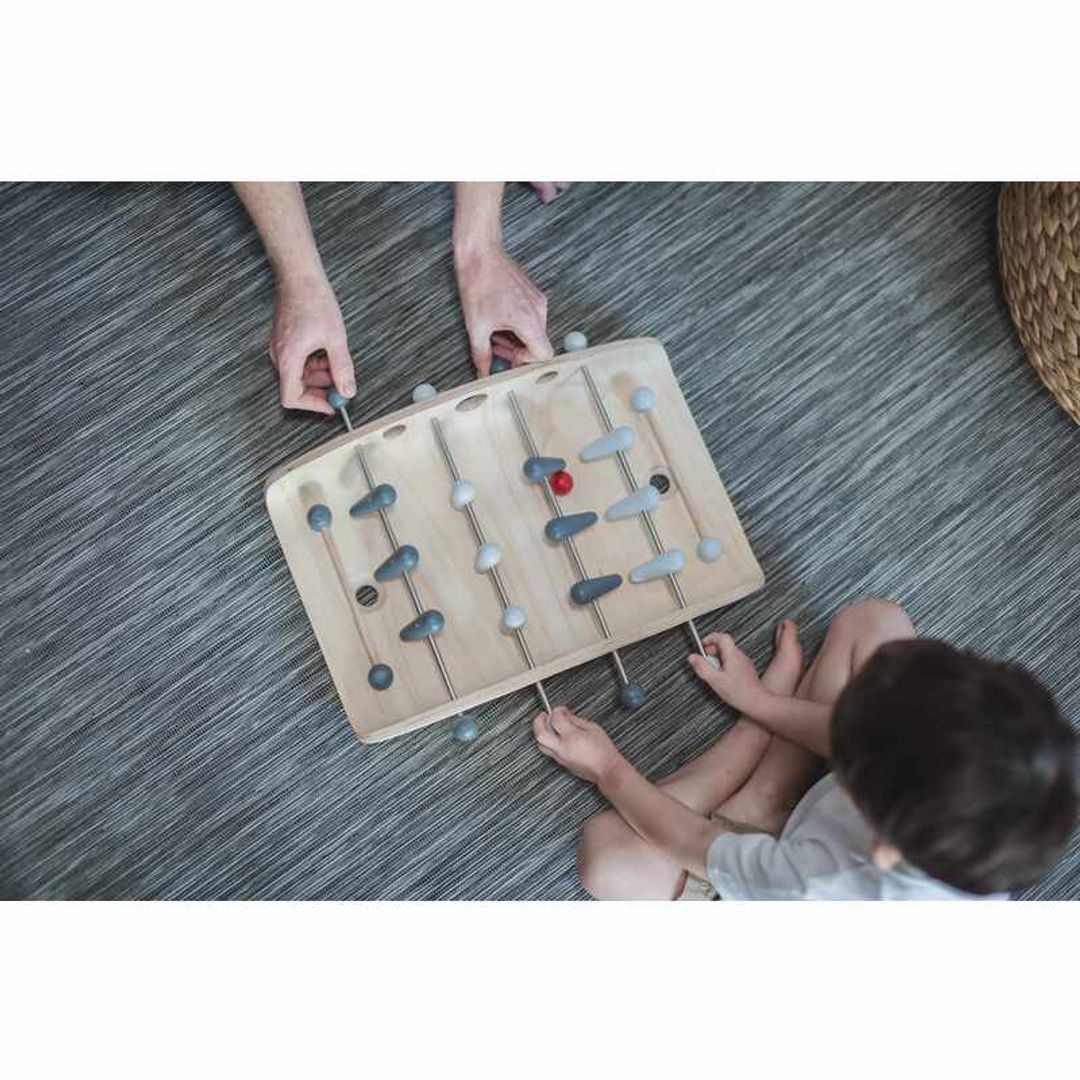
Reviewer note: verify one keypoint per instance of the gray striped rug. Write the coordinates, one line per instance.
(169, 729)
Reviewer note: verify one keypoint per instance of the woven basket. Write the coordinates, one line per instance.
(1039, 249)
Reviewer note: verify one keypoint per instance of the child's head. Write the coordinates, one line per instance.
(961, 764)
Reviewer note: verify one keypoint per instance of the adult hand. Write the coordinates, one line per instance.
(308, 345)
(505, 313)
(576, 744)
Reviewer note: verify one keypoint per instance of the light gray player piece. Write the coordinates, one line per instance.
(645, 498)
(709, 549)
(575, 340)
(487, 556)
(713, 662)
(462, 493)
(424, 392)
(669, 562)
(513, 617)
(643, 399)
(620, 438)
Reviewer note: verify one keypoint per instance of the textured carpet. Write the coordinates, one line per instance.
(169, 729)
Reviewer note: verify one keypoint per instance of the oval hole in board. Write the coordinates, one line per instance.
(473, 401)
(394, 432)
(547, 377)
(660, 478)
(367, 596)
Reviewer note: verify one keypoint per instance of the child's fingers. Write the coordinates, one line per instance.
(707, 673)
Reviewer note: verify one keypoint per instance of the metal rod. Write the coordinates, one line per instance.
(496, 576)
(568, 543)
(388, 529)
(631, 482)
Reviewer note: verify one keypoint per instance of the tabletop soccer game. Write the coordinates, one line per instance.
(486, 538)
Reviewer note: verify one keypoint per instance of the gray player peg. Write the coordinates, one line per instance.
(540, 468)
(645, 498)
(378, 498)
(669, 562)
(589, 589)
(423, 626)
(558, 529)
(620, 438)
(401, 562)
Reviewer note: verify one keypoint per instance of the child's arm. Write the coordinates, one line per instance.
(805, 723)
(586, 750)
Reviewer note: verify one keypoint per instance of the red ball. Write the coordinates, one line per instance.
(562, 483)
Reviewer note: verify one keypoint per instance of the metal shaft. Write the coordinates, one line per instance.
(568, 543)
(650, 525)
(388, 529)
(495, 575)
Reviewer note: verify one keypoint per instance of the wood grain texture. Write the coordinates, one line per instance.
(479, 426)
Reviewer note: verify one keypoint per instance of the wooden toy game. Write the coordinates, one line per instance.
(486, 538)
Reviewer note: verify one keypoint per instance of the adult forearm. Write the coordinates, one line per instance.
(681, 834)
(279, 215)
(477, 217)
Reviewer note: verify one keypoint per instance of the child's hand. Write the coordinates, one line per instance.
(576, 744)
(736, 682)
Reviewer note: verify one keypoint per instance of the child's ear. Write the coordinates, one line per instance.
(885, 856)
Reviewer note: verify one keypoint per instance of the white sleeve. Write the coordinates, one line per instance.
(755, 866)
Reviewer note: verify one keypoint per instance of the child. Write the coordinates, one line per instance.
(953, 777)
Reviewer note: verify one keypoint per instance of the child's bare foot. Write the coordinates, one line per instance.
(782, 674)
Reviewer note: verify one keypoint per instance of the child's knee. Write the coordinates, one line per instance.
(875, 621)
(598, 853)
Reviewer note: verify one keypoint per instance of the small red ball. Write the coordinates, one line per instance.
(562, 483)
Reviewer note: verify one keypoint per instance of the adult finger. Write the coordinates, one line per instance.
(480, 348)
(341, 367)
(535, 339)
(294, 395)
(314, 377)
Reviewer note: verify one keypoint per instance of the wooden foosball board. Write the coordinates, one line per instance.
(358, 620)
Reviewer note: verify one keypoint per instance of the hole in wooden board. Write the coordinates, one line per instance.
(394, 432)
(367, 596)
(661, 480)
(473, 401)
(547, 377)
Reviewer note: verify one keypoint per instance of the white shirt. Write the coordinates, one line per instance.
(824, 853)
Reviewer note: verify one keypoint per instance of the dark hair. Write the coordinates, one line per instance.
(963, 764)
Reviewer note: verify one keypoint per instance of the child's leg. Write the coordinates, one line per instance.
(787, 771)
(615, 863)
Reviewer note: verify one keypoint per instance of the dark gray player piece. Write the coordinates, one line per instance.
(336, 399)
(401, 562)
(378, 498)
(465, 728)
(590, 589)
(423, 626)
(560, 528)
(632, 696)
(539, 468)
(499, 365)
(380, 676)
(319, 517)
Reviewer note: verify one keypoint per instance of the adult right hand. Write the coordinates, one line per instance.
(308, 344)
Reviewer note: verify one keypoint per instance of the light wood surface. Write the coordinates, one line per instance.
(484, 661)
